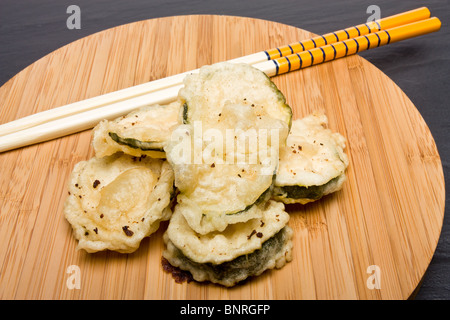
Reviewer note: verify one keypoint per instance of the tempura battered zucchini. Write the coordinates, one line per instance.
(142, 132)
(312, 164)
(241, 250)
(116, 201)
(223, 184)
(274, 253)
(207, 92)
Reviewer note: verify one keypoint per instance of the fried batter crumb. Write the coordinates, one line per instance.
(179, 275)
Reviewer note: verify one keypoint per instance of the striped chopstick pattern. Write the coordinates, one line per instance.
(350, 32)
(352, 45)
(323, 40)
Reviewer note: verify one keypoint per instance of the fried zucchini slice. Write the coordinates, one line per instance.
(204, 222)
(312, 164)
(116, 201)
(141, 132)
(205, 93)
(220, 184)
(240, 251)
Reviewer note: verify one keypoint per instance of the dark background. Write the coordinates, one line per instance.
(31, 29)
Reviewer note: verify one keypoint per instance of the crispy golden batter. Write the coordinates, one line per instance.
(222, 183)
(205, 93)
(116, 201)
(312, 164)
(236, 240)
(240, 251)
(141, 132)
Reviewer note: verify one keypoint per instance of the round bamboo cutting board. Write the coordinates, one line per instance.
(372, 240)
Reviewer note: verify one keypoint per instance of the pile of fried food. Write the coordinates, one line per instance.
(219, 164)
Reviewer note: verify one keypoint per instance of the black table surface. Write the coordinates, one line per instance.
(420, 67)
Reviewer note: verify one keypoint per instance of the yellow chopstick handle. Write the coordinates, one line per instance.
(351, 46)
(351, 32)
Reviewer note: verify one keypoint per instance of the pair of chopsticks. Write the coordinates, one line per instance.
(85, 114)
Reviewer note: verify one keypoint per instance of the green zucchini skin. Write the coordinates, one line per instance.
(265, 196)
(281, 111)
(185, 113)
(136, 144)
(282, 99)
(250, 263)
(302, 192)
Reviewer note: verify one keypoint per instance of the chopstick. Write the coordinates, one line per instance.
(87, 119)
(348, 47)
(176, 80)
(350, 32)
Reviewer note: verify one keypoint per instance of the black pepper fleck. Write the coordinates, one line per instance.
(95, 184)
(127, 231)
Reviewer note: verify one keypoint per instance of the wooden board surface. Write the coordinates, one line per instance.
(389, 213)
